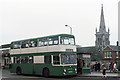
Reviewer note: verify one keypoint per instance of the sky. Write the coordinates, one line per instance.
(23, 19)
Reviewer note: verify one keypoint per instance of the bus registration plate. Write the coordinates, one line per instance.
(70, 71)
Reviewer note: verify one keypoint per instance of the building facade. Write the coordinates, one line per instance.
(111, 54)
(102, 36)
(5, 55)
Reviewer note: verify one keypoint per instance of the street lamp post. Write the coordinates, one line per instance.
(70, 28)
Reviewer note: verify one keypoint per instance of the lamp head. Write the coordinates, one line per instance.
(66, 25)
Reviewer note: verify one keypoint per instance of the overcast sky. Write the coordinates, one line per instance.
(22, 19)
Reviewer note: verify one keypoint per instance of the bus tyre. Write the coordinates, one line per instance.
(18, 71)
(46, 72)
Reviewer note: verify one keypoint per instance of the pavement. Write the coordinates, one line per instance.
(99, 74)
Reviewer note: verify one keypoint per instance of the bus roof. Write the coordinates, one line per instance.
(67, 35)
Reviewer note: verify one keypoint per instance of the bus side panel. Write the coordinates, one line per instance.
(38, 68)
(27, 68)
(59, 70)
(13, 68)
(55, 70)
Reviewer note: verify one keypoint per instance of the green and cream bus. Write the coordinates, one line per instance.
(53, 55)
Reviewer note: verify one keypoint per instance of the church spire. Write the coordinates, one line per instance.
(102, 37)
(102, 28)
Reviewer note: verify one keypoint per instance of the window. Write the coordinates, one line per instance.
(105, 55)
(12, 46)
(67, 40)
(33, 43)
(53, 41)
(30, 59)
(71, 40)
(25, 44)
(14, 60)
(68, 59)
(56, 59)
(46, 43)
(117, 55)
(42, 42)
(18, 59)
(110, 55)
(50, 41)
(22, 59)
(16, 45)
(26, 60)
(100, 41)
(47, 59)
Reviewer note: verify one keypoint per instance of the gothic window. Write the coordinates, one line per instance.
(100, 41)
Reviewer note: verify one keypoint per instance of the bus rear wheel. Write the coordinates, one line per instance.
(46, 72)
(18, 71)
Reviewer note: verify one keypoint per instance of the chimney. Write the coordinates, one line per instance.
(117, 43)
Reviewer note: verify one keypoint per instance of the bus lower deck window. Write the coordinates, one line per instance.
(47, 59)
(30, 59)
(56, 59)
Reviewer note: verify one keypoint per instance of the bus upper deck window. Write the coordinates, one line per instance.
(40, 42)
(33, 43)
(67, 40)
(53, 41)
(50, 41)
(16, 45)
(56, 40)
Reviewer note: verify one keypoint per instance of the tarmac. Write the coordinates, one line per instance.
(91, 75)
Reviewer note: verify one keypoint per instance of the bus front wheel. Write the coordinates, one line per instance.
(46, 72)
(18, 71)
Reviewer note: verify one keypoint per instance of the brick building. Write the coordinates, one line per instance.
(111, 54)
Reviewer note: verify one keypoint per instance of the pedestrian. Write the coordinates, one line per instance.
(96, 66)
(91, 67)
(115, 67)
(99, 67)
(111, 66)
(104, 71)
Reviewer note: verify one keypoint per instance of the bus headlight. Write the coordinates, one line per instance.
(75, 69)
(64, 70)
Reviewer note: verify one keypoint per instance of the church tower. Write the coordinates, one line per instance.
(102, 37)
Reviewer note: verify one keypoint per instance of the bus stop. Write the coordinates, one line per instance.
(83, 63)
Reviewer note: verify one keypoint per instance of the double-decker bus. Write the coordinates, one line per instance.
(53, 55)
